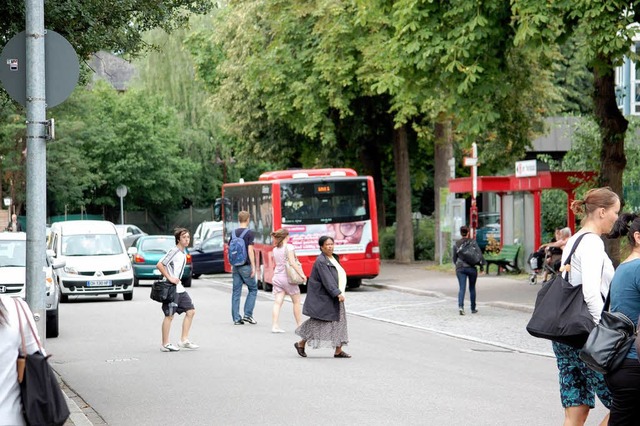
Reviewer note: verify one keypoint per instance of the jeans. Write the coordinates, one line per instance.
(462, 275)
(242, 275)
(624, 384)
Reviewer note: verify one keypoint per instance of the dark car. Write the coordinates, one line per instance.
(145, 254)
(208, 257)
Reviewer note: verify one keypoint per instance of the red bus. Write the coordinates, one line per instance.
(309, 203)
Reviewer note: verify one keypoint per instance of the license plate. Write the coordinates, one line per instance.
(156, 272)
(99, 283)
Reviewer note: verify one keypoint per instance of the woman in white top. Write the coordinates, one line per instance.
(283, 252)
(591, 267)
(10, 345)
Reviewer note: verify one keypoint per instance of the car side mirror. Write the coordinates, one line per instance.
(51, 253)
(132, 251)
(59, 264)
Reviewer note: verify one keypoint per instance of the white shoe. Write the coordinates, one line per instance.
(277, 330)
(188, 345)
(169, 347)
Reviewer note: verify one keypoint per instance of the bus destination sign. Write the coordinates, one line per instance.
(324, 188)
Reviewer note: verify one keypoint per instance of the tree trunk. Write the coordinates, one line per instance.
(404, 229)
(613, 127)
(371, 160)
(443, 152)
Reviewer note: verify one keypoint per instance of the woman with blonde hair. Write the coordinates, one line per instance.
(591, 267)
(283, 252)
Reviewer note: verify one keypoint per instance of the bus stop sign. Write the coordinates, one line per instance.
(61, 73)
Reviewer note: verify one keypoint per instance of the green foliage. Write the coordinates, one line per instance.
(423, 235)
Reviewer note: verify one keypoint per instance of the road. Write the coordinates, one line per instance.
(415, 361)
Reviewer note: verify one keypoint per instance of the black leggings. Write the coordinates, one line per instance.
(624, 384)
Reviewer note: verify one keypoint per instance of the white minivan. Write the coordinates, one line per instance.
(96, 261)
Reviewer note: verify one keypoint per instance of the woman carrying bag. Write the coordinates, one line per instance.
(591, 267)
(283, 254)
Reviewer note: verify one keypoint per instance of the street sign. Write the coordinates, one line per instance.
(470, 161)
(62, 68)
(121, 191)
(526, 168)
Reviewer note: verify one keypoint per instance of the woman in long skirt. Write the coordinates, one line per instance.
(324, 305)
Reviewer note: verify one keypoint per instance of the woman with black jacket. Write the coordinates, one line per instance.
(324, 305)
(466, 255)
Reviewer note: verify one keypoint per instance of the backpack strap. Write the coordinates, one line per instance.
(568, 261)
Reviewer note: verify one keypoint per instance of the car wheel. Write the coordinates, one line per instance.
(136, 282)
(128, 296)
(353, 283)
(52, 324)
(196, 276)
(187, 282)
(64, 298)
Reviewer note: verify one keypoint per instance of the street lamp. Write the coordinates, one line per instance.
(121, 191)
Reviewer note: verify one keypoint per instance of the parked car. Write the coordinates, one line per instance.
(488, 227)
(96, 261)
(145, 254)
(129, 233)
(208, 257)
(203, 230)
(13, 261)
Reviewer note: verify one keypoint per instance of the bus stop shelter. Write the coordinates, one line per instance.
(521, 203)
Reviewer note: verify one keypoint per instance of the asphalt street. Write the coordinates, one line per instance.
(416, 360)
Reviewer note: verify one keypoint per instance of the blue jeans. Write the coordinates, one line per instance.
(462, 275)
(242, 275)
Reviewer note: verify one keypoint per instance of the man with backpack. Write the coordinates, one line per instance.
(242, 259)
(466, 256)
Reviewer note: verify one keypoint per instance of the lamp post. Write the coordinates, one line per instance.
(121, 191)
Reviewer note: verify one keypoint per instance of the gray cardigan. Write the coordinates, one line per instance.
(322, 291)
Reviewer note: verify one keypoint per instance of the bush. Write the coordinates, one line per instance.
(423, 240)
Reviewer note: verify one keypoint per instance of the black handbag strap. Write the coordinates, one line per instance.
(573, 249)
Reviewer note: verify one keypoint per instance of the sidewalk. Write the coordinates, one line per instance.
(505, 291)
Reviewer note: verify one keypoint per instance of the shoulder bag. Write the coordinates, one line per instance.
(609, 341)
(42, 399)
(163, 291)
(560, 313)
(292, 274)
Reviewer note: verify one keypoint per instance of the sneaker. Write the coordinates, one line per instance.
(169, 347)
(277, 330)
(250, 320)
(188, 345)
(239, 322)
(474, 311)
(461, 311)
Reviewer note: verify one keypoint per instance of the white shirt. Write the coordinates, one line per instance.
(10, 344)
(175, 260)
(591, 267)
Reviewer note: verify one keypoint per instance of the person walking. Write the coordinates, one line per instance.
(624, 383)
(466, 267)
(10, 347)
(324, 305)
(283, 253)
(243, 270)
(171, 266)
(591, 267)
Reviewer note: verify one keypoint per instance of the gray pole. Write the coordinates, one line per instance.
(36, 161)
(121, 211)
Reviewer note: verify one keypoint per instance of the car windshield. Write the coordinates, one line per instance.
(157, 244)
(13, 253)
(91, 245)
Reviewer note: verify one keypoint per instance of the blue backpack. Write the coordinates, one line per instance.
(238, 249)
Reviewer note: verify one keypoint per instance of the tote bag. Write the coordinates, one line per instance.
(560, 313)
(292, 275)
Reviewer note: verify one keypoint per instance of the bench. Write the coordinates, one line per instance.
(507, 258)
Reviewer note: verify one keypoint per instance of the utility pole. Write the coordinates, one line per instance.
(36, 161)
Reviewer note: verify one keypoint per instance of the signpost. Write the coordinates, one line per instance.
(121, 191)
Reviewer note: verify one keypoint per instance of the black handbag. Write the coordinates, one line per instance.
(163, 291)
(560, 313)
(43, 402)
(609, 341)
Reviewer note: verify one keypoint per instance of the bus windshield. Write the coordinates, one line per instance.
(324, 201)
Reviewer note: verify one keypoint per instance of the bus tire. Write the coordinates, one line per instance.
(353, 282)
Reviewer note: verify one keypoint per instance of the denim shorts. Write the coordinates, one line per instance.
(182, 303)
(578, 383)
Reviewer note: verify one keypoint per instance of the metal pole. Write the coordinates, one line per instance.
(121, 211)
(36, 161)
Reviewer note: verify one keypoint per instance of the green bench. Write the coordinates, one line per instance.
(507, 258)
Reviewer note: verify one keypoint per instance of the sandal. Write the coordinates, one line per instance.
(342, 354)
(300, 350)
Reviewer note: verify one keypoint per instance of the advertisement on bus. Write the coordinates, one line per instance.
(349, 237)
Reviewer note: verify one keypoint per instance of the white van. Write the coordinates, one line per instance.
(96, 261)
(204, 230)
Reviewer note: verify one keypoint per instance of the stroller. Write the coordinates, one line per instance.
(544, 263)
